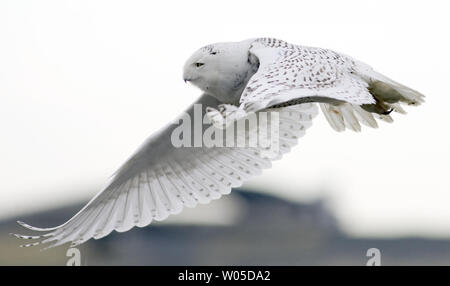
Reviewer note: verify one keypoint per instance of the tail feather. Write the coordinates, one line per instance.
(388, 94)
(365, 117)
(350, 119)
(334, 116)
(349, 116)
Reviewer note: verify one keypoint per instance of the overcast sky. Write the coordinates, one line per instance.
(83, 83)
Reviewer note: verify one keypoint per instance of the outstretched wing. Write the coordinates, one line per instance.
(290, 74)
(160, 179)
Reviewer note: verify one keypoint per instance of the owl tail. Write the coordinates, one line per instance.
(389, 96)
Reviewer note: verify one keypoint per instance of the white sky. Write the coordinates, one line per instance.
(83, 83)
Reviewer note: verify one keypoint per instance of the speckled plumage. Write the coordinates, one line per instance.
(290, 74)
(290, 71)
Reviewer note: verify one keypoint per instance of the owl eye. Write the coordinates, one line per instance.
(199, 64)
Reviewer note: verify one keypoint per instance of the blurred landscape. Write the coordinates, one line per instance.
(83, 83)
(244, 228)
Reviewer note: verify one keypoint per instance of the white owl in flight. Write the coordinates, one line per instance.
(237, 79)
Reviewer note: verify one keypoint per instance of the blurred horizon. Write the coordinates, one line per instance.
(222, 216)
(84, 83)
(244, 228)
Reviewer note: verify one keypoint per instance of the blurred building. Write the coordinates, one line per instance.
(244, 228)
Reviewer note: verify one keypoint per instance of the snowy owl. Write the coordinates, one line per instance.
(237, 79)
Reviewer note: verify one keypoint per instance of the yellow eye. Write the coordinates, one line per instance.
(199, 64)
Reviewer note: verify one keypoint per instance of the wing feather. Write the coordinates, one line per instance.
(157, 182)
(290, 74)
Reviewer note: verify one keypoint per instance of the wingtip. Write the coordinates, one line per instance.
(30, 244)
(27, 226)
(21, 223)
(21, 236)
